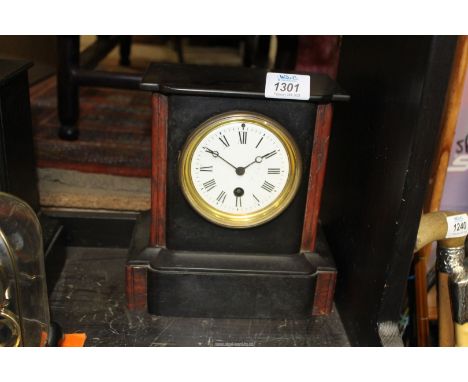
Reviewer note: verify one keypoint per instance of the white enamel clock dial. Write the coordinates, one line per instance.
(240, 169)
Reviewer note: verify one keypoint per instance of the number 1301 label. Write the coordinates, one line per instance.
(457, 225)
(287, 86)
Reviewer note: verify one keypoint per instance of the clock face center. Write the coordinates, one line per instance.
(240, 167)
(240, 170)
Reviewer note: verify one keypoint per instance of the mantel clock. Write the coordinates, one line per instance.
(238, 162)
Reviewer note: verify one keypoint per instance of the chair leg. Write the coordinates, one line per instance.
(68, 50)
(179, 49)
(125, 47)
(286, 54)
(256, 51)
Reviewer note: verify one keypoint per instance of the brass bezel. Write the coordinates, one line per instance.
(252, 219)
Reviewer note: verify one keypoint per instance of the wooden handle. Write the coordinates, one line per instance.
(446, 330)
(433, 227)
(461, 334)
(422, 311)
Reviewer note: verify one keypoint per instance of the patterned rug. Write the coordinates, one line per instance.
(115, 131)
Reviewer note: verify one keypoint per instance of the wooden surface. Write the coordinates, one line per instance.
(449, 124)
(60, 188)
(316, 176)
(159, 170)
(324, 291)
(461, 335)
(437, 179)
(432, 304)
(89, 297)
(136, 287)
(446, 329)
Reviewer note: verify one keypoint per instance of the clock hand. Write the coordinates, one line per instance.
(255, 161)
(216, 155)
(259, 159)
(270, 154)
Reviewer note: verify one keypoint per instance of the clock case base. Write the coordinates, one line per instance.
(227, 285)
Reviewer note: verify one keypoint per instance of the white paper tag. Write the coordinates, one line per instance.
(457, 225)
(287, 86)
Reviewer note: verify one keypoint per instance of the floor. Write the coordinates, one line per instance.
(89, 297)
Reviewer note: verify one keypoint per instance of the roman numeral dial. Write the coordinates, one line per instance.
(224, 140)
(221, 197)
(267, 186)
(206, 168)
(209, 185)
(243, 137)
(240, 169)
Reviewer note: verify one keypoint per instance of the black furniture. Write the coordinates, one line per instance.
(381, 151)
(17, 163)
(75, 69)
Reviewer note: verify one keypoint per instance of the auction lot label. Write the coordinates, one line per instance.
(287, 86)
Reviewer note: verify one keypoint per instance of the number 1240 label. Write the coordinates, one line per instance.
(457, 226)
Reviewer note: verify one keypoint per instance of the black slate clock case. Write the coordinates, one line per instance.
(186, 229)
(197, 268)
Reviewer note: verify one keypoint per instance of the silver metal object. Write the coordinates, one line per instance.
(459, 296)
(450, 260)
